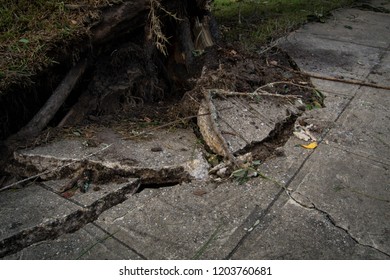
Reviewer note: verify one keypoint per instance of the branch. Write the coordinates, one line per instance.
(333, 79)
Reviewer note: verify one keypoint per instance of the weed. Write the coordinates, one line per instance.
(31, 30)
(255, 23)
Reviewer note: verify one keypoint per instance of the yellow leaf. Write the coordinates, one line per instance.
(311, 146)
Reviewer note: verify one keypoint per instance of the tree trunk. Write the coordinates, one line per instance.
(121, 20)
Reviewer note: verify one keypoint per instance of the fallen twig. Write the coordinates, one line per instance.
(257, 92)
(333, 79)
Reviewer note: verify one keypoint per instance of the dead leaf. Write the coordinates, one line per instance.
(200, 192)
(310, 146)
(301, 135)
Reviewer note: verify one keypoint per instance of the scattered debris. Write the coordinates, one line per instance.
(303, 132)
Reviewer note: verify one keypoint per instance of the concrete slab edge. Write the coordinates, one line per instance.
(67, 224)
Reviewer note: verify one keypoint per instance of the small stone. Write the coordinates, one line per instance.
(156, 149)
(200, 192)
(280, 152)
(222, 172)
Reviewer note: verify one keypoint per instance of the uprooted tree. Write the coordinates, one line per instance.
(148, 49)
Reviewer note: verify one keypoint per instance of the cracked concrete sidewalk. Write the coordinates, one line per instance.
(332, 202)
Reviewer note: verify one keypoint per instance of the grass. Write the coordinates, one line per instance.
(255, 22)
(30, 31)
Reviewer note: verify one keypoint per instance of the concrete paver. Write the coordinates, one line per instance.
(364, 127)
(331, 57)
(246, 120)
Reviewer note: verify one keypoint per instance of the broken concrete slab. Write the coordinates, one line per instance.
(96, 193)
(245, 120)
(294, 232)
(33, 214)
(25, 210)
(189, 220)
(88, 243)
(161, 157)
(352, 190)
(41, 214)
(283, 166)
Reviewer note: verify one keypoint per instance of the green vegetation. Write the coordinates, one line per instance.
(258, 22)
(30, 31)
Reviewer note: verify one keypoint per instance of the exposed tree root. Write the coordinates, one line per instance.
(47, 112)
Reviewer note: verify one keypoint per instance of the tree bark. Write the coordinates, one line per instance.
(121, 20)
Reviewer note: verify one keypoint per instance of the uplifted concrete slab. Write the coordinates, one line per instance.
(88, 243)
(339, 203)
(23, 210)
(161, 157)
(96, 193)
(244, 121)
(35, 213)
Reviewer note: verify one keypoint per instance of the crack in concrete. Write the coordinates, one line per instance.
(112, 235)
(366, 157)
(334, 223)
(252, 220)
(67, 224)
